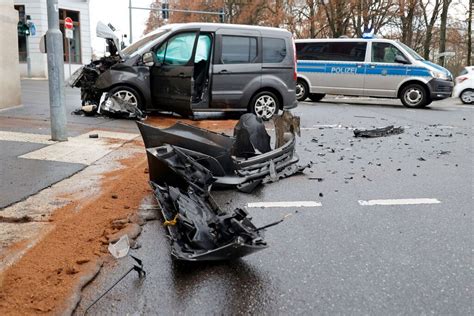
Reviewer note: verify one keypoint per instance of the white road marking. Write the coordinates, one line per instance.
(399, 202)
(26, 137)
(285, 204)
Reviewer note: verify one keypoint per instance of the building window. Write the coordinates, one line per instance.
(21, 38)
(75, 43)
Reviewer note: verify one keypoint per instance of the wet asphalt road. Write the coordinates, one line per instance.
(341, 257)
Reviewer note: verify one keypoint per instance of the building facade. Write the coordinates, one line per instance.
(77, 51)
(10, 90)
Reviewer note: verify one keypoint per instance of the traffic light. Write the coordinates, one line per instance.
(165, 14)
(23, 28)
(221, 15)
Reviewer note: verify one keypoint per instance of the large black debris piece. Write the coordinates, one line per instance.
(378, 132)
(185, 162)
(251, 137)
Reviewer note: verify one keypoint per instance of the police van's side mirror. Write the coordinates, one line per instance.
(401, 60)
(148, 59)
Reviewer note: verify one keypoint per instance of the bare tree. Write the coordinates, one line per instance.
(373, 14)
(338, 14)
(430, 16)
(407, 12)
(154, 17)
(442, 30)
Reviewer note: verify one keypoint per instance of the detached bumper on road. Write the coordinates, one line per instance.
(185, 162)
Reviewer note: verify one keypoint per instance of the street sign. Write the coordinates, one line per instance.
(68, 23)
(69, 33)
(446, 54)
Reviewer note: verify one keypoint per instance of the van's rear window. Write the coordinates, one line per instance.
(332, 51)
(238, 49)
(274, 50)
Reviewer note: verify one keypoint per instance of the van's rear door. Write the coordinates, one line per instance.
(237, 66)
(171, 80)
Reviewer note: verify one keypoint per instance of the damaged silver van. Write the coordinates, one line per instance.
(187, 68)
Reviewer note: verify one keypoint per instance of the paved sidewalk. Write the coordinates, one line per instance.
(31, 162)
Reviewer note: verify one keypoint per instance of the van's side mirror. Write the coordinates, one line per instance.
(148, 59)
(401, 60)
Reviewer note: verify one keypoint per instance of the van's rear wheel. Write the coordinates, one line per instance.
(128, 94)
(265, 104)
(302, 90)
(414, 96)
(315, 97)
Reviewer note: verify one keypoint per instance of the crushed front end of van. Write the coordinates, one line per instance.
(86, 76)
(185, 162)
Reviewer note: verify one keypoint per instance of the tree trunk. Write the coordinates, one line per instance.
(469, 33)
(312, 13)
(442, 29)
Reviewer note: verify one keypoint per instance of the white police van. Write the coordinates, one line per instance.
(368, 67)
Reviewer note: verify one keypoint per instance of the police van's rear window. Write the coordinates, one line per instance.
(331, 51)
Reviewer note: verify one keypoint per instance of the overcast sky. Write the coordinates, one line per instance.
(116, 12)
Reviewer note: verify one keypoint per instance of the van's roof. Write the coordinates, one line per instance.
(315, 40)
(215, 26)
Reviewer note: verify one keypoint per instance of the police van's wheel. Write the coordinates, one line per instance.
(414, 96)
(302, 90)
(127, 94)
(467, 96)
(315, 97)
(265, 104)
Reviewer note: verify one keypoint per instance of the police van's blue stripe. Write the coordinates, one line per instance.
(391, 70)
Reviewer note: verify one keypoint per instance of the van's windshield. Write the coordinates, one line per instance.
(144, 41)
(411, 52)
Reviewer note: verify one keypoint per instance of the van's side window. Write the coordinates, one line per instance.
(384, 53)
(238, 49)
(332, 51)
(178, 50)
(274, 50)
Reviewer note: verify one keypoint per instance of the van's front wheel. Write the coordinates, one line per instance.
(302, 90)
(128, 94)
(265, 104)
(414, 96)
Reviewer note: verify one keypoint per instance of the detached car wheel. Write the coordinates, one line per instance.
(128, 94)
(467, 96)
(265, 104)
(302, 90)
(414, 96)
(315, 97)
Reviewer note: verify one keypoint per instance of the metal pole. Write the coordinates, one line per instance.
(69, 54)
(130, 19)
(54, 44)
(28, 58)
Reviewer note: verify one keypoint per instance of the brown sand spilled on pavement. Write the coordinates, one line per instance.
(44, 278)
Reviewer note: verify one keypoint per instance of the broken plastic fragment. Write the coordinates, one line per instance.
(120, 248)
(379, 132)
